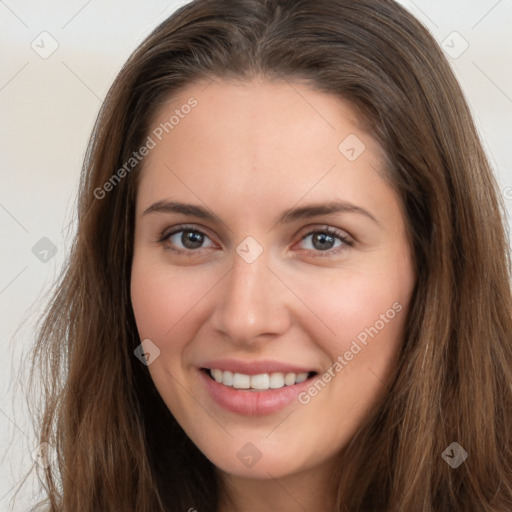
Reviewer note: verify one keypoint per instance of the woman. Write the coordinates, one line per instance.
(290, 286)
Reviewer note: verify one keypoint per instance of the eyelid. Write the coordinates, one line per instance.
(310, 229)
(346, 239)
(342, 235)
(166, 233)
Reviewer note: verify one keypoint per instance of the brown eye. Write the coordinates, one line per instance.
(326, 241)
(191, 239)
(184, 239)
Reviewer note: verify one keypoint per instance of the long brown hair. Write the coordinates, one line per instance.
(118, 446)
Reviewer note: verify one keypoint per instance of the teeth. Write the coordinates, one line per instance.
(301, 377)
(240, 381)
(227, 378)
(289, 379)
(276, 380)
(262, 381)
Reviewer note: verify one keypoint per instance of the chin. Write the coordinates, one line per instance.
(260, 458)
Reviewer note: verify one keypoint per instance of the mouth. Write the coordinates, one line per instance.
(259, 382)
(255, 393)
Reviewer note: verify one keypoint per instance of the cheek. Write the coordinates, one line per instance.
(151, 304)
(367, 313)
(357, 305)
(163, 304)
(162, 299)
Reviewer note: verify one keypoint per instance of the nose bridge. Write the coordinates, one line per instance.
(253, 301)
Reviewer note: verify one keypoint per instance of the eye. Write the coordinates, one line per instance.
(186, 239)
(190, 239)
(323, 241)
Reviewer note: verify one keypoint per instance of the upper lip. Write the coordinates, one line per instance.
(254, 367)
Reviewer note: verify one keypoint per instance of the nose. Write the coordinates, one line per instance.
(253, 303)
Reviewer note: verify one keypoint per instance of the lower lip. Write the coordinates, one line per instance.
(253, 403)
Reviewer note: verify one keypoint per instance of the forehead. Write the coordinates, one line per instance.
(269, 141)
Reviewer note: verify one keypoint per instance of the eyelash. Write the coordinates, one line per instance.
(322, 254)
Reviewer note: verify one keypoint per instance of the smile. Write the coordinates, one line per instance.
(249, 390)
(260, 382)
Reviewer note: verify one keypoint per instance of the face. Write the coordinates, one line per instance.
(271, 275)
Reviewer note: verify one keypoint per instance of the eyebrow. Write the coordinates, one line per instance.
(293, 214)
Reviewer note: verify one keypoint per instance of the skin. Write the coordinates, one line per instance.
(249, 151)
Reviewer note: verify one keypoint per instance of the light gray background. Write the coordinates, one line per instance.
(48, 106)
